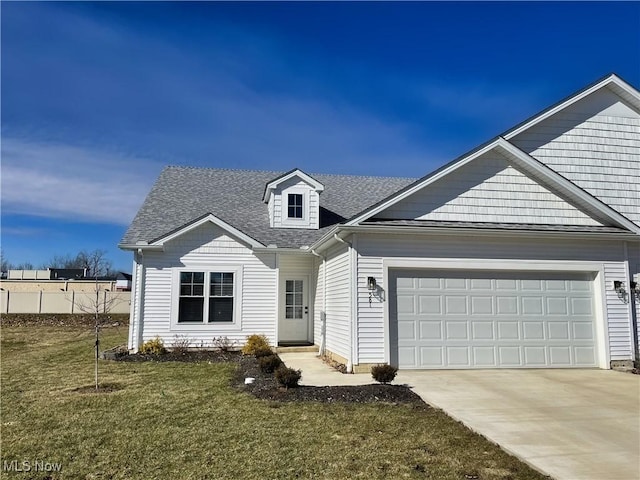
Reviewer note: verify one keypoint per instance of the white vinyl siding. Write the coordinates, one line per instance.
(373, 250)
(338, 330)
(488, 189)
(596, 145)
(208, 248)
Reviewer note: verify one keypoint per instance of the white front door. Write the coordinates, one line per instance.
(294, 313)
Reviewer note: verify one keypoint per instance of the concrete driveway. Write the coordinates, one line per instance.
(570, 424)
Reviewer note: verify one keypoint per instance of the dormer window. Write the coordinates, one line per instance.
(293, 201)
(295, 209)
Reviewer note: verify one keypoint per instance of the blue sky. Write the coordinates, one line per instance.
(98, 97)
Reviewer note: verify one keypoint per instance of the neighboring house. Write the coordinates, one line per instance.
(123, 282)
(521, 253)
(48, 274)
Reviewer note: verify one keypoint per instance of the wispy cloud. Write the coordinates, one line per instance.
(245, 100)
(72, 183)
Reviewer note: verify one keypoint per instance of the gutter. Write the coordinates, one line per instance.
(138, 247)
(289, 250)
(485, 232)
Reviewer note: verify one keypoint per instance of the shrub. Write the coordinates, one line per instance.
(288, 377)
(383, 373)
(269, 363)
(223, 344)
(180, 344)
(263, 352)
(154, 346)
(255, 343)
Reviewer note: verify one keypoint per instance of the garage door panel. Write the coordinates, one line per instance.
(510, 356)
(493, 319)
(582, 331)
(535, 356)
(427, 283)
(431, 356)
(558, 331)
(557, 306)
(458, 356)
(560, 356)
(506, 305)
(430, 330)
(581, 306)
(482, 330)
(407, 356)
(484, 356)
(457, 330)
(481, 305)
(429, 304)
(509, 330)
(532, 330)
(455, 304)
(481, 284)
(406, 304)
(556, 285)
(585, 355)
(532, 305)
(407, 330)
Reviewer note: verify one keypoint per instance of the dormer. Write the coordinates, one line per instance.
(294, 201)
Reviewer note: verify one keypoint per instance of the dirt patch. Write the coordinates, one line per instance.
(265, 386)
(102, 388)
(340, 367)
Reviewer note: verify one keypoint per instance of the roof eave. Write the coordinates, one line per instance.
(484, 231)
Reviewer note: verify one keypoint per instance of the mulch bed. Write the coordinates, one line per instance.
(266, 387)
(62, 320)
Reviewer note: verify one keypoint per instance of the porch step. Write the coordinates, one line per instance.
(297, 349)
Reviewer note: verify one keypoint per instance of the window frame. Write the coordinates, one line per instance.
(294, 222)
(235, 324)
(295, 206)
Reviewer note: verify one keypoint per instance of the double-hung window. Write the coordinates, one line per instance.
(294, 204)
(221, 297)
(206, 297)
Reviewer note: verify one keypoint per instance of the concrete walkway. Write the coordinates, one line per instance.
(577, 424)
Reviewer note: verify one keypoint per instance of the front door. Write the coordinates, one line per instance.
(294, 314)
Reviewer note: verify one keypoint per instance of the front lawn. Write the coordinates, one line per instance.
(183, 421)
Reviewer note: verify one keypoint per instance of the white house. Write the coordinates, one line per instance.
(524, 252)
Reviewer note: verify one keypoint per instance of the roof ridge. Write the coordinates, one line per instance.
(219, 169)
(277, 172)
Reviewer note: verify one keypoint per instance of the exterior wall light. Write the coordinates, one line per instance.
(635, 290)
(372, 286)
(618, 286)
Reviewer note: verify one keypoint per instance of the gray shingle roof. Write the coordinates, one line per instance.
(184, 194)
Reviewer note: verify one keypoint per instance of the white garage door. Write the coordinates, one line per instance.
(492, 319)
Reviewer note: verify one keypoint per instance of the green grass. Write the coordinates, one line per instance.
(183, 421)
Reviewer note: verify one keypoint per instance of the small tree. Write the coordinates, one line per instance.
(98, 265)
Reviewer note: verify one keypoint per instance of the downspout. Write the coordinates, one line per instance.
(137, 337)
(323, 313)
(350, 250)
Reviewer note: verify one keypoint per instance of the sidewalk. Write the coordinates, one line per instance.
(318, 374)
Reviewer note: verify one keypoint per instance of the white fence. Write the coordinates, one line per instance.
(64, 302)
